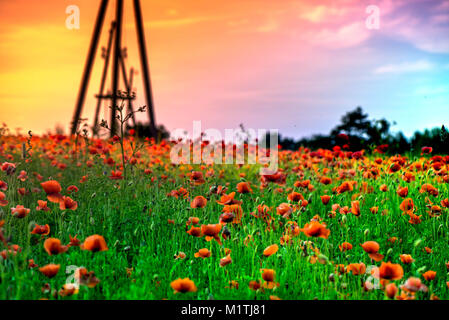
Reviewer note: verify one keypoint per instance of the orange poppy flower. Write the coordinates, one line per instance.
(270, 250)
(183, 285)
(427, 187)
(198, 202)
(52, 188)
(402, 192)
(50, 270)
(53, 246)
(284, 210)
(254, 285)
(434, 211)
(72, 189)
(3, 201)
(325, 180)
(68, 203)
(116, 175)
(74, 242)
(192, 220)
(202, 253)
(11, 251)
(285, 239)
(429, 275)
(41, 230)
(295, 197)
(94, 243)
(268, 274)
(31, 264)
(86, 278)
(228, 199)
(414, 219)
(181, 255)
(394, 167)
(372, 248)
(227, 217)
(383, 188)
(244, 187)
(413, 285)
(355, 208)
(67, 290)
(20, 211)
(391, 290)
(345, 246)
(225, 261)
(42, 205)
(233, 285)
(232, 210)
(408, 177)
(325, 199)
(316, 229)
(406, 258)
(3, 185)
(195, 231)
(445, 203)
(390, 271)
(211, 230)
(22, 191)
(356, 268)
(197, 177)
(345, 186)
(407, 205)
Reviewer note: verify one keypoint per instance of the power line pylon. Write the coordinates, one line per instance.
(118, 55)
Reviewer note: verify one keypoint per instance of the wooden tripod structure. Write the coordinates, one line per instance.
(118, 55)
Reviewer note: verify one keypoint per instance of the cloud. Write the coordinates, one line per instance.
(321, 13)
(346, 36)
(416, 66)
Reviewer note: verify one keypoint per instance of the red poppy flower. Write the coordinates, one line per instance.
(68, 204)
(52, 188)
(94, 243)
(20, 211)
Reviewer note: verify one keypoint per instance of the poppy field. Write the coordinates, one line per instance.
(113, 218)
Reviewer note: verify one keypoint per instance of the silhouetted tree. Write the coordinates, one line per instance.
(362, 133)
(143, 130)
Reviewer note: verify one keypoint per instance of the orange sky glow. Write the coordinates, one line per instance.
(291, 65)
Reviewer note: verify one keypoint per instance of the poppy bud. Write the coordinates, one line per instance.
(366, 232)
(389, 251)
(344, 219)
(417, 243)
(421, 270)
(323, 259)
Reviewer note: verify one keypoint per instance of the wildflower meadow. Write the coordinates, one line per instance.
(90, 218)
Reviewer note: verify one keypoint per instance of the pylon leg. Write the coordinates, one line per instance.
(115, 64)
(144, 65)
(103, 78)
(88, 66)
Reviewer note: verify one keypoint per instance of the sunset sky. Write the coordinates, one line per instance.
(291, 65)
